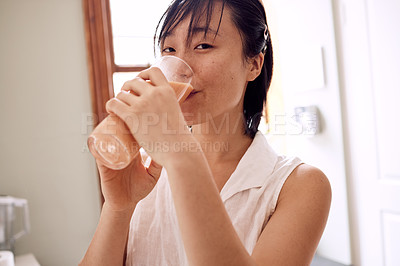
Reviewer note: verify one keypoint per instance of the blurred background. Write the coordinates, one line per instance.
(333, 102)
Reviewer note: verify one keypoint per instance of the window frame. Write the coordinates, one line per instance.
(100, 58)
(100, 50)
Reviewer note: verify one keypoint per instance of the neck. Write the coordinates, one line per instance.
(222, 138)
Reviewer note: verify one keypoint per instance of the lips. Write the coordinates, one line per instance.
(191, 94)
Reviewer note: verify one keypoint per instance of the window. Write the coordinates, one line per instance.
(119, 35)
(119, 38)
(133, 26)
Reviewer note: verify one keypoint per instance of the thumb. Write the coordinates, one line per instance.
(154, 169)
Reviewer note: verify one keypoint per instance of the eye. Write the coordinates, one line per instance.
(168, 50)
(204, 46)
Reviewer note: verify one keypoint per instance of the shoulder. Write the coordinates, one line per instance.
(307, 182)
(292, 234)
(306, 195)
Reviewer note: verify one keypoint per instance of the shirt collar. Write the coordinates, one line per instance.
(253, 169)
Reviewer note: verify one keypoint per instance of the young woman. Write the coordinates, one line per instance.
(223, 197)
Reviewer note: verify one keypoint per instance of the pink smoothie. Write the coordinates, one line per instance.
(112, 143)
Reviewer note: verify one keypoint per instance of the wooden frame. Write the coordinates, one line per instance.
(99, 40)
(100, 52)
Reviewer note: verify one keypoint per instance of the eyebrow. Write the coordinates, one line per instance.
(204, 29)
(197, 30)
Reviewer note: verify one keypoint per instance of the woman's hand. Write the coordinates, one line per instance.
(152, 113)
(123, 189)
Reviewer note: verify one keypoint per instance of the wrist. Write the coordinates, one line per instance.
(118, 212)
(188, 155)
(181, 149)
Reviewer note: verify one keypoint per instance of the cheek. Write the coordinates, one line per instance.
(219, 78)
(233, 84)
(209, 78)
(222, 83)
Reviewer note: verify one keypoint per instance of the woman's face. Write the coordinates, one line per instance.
(220, 70)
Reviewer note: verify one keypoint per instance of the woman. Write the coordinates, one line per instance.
(235, 203)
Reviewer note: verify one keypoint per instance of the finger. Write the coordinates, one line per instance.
(127, 98)
(137, 86)
(154, 170)
(155, 75)
(125, 113)
(117, 107)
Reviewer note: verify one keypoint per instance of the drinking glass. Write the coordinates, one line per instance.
(112, 143)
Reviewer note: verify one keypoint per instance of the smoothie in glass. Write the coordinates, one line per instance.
(112, 143)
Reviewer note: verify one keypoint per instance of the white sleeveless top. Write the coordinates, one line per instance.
(250, 196)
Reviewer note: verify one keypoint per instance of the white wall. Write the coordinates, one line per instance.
(369, 59)
(44, 93)
(308, 64)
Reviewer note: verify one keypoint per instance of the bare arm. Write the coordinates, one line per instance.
(290, 238)
(294, 230)
(207, 232)
(109, 242)
(122, 190)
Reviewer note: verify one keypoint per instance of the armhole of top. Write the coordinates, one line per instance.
(296, 162)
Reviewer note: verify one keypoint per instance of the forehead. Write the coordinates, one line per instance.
(210, 19)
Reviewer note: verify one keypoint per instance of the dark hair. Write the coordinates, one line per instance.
(250, 19)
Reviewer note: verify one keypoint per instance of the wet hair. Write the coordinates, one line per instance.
(249, 18)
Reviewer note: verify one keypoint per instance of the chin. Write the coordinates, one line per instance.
(191, 118)
(190, 110)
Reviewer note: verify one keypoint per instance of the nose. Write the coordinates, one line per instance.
(184, 70)
(186, 57)
(176, 69)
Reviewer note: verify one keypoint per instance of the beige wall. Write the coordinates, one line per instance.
(44, 94)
